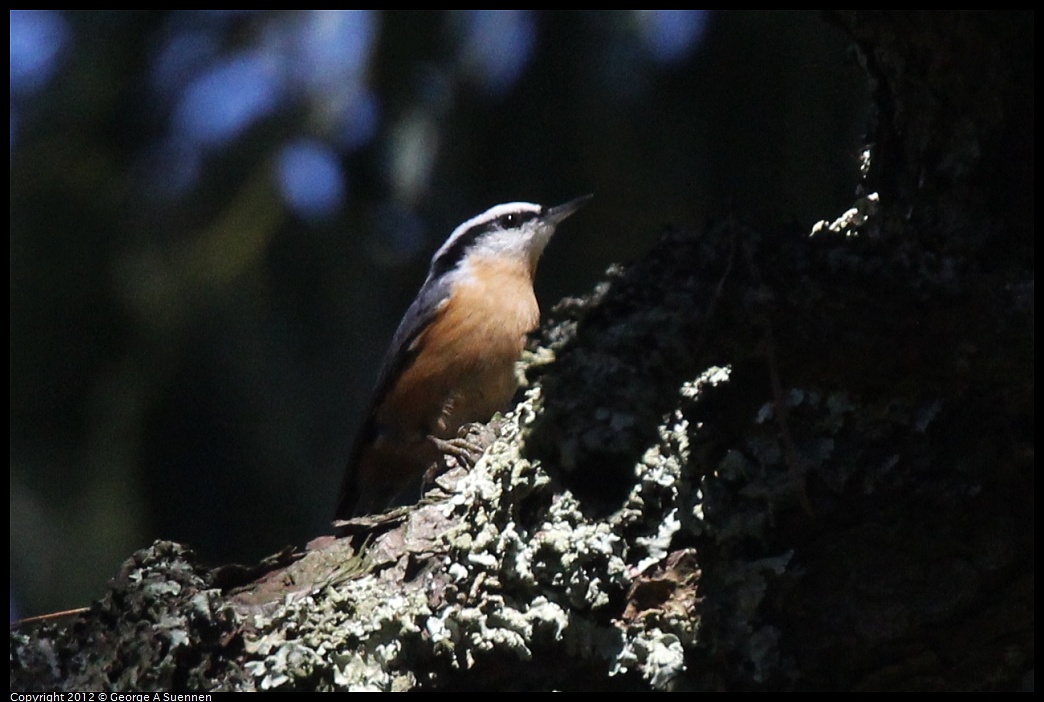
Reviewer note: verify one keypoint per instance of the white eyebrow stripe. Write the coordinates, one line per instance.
(488, 216)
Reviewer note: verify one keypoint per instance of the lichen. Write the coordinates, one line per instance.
(502, 580)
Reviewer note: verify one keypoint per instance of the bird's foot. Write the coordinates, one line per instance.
(463, 451)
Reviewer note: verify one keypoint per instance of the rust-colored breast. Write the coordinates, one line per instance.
(463, 370)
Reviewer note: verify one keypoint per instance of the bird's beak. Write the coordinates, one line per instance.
(554, 215)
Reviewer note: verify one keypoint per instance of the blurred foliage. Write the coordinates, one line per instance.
(217, 218)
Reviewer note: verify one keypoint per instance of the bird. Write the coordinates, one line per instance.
(452, 359)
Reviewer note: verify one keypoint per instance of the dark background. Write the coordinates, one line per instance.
(217, 219)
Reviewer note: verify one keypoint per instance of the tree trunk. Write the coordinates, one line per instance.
(752, 460)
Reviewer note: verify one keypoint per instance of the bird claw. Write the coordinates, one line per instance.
(465, 453)
(465, 450)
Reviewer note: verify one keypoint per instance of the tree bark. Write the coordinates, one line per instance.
(752, 460)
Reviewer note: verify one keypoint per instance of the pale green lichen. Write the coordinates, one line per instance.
(657, 655)
(852, 219)
(320, 641)
(369, 633)
(496, 582)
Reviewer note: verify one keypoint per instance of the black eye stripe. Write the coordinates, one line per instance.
(456, 252)
(515, 219)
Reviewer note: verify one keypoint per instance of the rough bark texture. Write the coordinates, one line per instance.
(752, 460)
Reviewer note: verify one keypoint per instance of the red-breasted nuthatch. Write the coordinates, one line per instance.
(452, 359)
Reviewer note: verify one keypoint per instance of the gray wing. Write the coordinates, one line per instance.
(426, 306)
